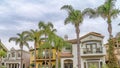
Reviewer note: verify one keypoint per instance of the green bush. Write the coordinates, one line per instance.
(3, 67)
(32, 64)
(93, 66)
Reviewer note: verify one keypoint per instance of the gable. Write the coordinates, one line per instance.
(91, 37)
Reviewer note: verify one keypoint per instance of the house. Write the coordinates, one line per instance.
(116, 48)
(92, 52)
(13, 59)
(2, 46)
(40, 57)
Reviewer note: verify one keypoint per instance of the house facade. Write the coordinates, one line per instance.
(92, 52)
(13, 59)
(42, 57)
(116, 48)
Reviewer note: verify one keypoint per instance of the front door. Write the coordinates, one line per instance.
(68, 64)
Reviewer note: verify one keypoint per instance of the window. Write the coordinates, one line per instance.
(13, 54)
(91, 47)
(45, 53)
(18, 54)
(23, 65)
(8, 56)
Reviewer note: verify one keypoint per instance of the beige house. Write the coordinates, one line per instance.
(14, 57)
(92, 52)
(116, 48)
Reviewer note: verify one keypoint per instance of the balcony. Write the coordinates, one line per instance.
(93, 51)
(44, 56)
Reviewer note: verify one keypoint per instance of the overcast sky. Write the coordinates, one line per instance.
(20, 15)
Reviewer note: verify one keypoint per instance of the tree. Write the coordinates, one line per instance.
(59, 43)
(75, 17)
(107, 12)
(47, 30)
(2, 54)
(22, 41)
(34, 35)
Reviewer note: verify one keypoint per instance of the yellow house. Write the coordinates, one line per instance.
(40, 57)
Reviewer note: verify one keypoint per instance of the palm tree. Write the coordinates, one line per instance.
(75, 17)
(47, 30)
(107, 12)
(22, 41)
(59, 43)
(34, 35)
(2, 54)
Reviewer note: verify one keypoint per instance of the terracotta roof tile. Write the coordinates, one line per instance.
(73, 41)
(66, 55)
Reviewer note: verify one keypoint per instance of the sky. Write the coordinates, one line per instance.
(21, 15)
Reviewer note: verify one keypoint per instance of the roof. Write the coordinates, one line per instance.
(17, 50)
(90, 33)
(63, 55)
(3, 46)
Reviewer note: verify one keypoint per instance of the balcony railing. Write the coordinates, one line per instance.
(100, 50)
(44, 55)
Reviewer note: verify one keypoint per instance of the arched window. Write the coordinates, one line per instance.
(68, 63)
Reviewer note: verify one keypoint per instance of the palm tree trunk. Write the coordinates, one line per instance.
(109, 27)
(45, 49)
(56, 59)
(35, 54)
(49, 58)
(110, 30)
(45, 58)
(21, 47)
(78, 47)
(0, 61)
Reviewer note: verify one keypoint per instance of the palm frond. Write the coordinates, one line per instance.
(50, 24)
(89, 12)
(114, 13)
(13, 39)
(69, 8)
(41, 24)
(67, 20)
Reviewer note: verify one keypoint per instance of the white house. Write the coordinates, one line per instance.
(92, 52)
(14, 57)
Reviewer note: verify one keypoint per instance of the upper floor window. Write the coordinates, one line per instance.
(46, 52)
(13, 54)
(18, 54)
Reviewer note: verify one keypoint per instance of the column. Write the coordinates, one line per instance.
(62, 63)
(18, 65)
(99, 64)
(86, 64)
(10, 65)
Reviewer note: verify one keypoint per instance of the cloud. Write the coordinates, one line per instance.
(19, 15)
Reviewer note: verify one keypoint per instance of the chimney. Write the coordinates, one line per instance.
(66, 37)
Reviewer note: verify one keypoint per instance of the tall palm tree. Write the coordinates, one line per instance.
(34, 35)
(47, 30)
(107, 12)
(59, 43)
(22, 41)
(75, 17)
